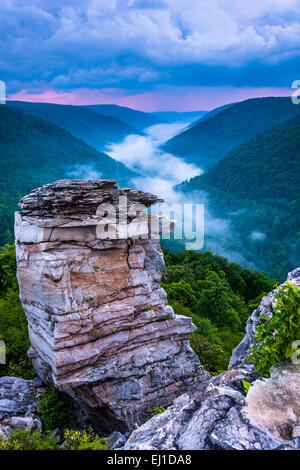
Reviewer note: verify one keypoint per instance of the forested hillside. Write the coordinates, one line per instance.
(219, 296)
(257, 186)
(34, 151)
(137, 119)
(211, 139)
(212, 113)
(265, 168)
(97, 130)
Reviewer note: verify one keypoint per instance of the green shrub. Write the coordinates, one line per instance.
(52, 409)
(275, 336)
(28, 440)
(8, 267)
(14, 332)
(84, 440)
(246, 385)
(158, 410)
(211, 355)
(74, 440)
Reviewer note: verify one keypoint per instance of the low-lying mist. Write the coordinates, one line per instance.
(160, 172)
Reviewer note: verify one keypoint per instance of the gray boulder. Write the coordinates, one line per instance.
(19, 405)
(219, 415)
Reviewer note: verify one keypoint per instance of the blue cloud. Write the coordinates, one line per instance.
(141, 44)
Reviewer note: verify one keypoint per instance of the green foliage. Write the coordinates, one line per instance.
(275, 336)
(74, 440)
(52, 409)
(13, 322)
(210, 353)
(181, 292)
(84, 440)
(246, 385)
(158, 410)
(28, 440)
(219, 296)
(8, 267)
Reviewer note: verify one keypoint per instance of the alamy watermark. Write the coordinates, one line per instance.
(136, 221)
(296, 354)
(296, 94)
(2, 92)
(2, 353)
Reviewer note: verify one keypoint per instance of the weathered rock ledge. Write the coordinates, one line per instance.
(219, 415)
(99, 323)
(19, 404)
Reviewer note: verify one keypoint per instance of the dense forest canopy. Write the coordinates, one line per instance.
(212, 138)
(97, 130)
(256, 187)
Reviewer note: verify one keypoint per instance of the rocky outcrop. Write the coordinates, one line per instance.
(19, 404)
(220, 415)
(19, 397)
(99, 324)
(241, 352)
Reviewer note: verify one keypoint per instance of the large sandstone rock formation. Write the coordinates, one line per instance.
(219, 415)
(99, 323)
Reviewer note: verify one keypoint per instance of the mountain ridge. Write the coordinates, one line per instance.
(133, 117)
(35, 151)
(97, 130)
(211, 139)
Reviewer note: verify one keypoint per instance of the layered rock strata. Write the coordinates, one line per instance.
(99, 324)
(219, 415)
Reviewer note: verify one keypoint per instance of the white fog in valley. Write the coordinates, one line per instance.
(160, 172)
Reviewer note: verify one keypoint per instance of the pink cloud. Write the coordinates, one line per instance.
(167, 98)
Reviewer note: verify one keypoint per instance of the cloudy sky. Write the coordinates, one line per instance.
(149, 54)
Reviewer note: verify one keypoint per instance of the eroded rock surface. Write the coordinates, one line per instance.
(19, 404)
(219, 415)
(241, 352)
(99, 323)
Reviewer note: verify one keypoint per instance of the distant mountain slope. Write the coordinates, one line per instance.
(34, 151)
(265, 167)
(173, 116)
(134, 118)
(211, 139)
(256, 186)
(213, 112)
(95, 129)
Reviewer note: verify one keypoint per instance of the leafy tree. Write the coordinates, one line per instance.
(182, 292)
(13, 322)
(8, 267)
(53, 409)
(217, 301)
(275, 336)
(28, 440)
(225, 293)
